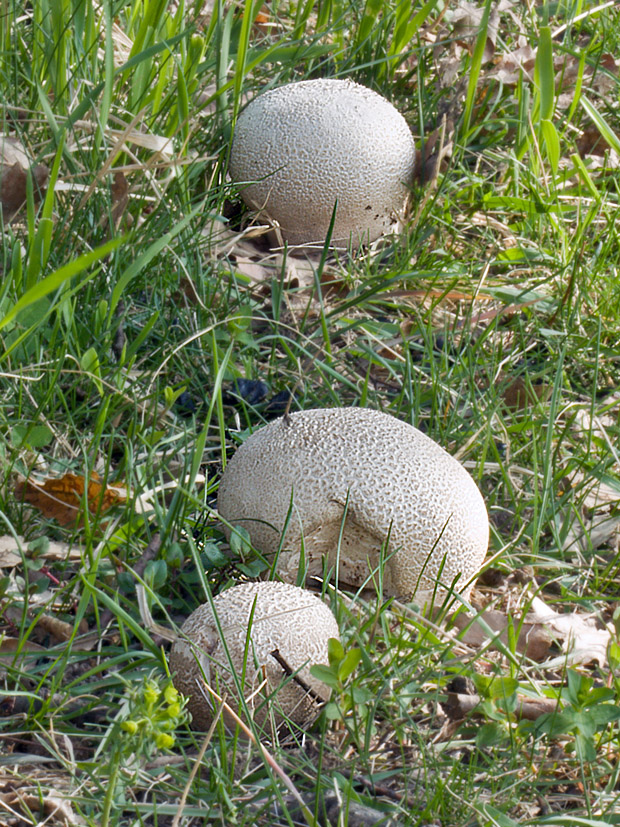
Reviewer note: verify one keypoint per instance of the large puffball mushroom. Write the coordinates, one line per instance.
(407, 503)
(286, 620)
(305, 146)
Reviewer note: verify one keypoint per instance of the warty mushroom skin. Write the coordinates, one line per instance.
(395, 483)
(304, 146)
(295, 622)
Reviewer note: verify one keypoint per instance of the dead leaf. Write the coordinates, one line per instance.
(119, 191)
(533, 640)
(568, 69)
(59, 630)
(12, 152)
(10, 557)
(55, 810)
(9, 645)
(14, 166)
(466, 20)
(583, 536)
(459, 705)
(188, 289)
(61, 498)
(120, 197)
(254, 270)
(521, 395)
(578, 635)
(510, 67)
(594, 493)
(592, 142)
(434, 151)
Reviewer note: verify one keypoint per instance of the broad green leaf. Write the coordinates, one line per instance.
(335, 651)
(349, 664)
(90, 363)
(502, 687)
(34, 436)
(324, 674)
(544, 76)
(551, 140)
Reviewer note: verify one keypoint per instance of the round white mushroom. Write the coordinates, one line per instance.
(289, 632)
(306, 146)
(414, 516)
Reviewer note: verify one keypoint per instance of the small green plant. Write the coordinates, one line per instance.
(587, 713)
(146, 723)
(149, 716)
(350, 702)
(499, 698)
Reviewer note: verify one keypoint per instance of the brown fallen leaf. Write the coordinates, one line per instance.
(592, 142)
(59, 630)
(14, 166)
(514, 65)
(9, 645)
(120, 198)
(521, 394)
(533, 639)
(458, 705)
(594, 493)
(466, 20)
(569, 70)
(15, 651)
(578, 635)
(54, 809)
(434, 151)
(12, 152)
(61, 498)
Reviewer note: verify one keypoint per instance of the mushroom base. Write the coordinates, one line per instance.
(352, 557)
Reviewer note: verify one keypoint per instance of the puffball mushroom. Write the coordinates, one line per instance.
(285, 619)
(307, 146)
(358, 487)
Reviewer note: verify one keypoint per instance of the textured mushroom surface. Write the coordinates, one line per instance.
(285, 618)
(304, 146)
(400, 489)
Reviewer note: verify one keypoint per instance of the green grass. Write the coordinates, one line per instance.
(123, 329)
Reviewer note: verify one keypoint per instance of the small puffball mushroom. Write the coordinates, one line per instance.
(305, 146)
(407, 502)
(288, 620)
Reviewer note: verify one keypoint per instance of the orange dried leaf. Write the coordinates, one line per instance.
(61, 498)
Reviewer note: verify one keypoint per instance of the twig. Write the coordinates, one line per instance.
(299, 681)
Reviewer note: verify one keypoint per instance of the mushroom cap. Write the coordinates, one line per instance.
(292, 620)
(306, 145)
(400, 489)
